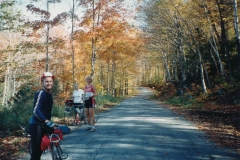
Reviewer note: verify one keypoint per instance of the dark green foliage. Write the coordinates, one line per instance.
(20, 110)
(56, 89)
(184, 102)
(58, 111)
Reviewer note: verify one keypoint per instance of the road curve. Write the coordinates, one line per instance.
(141, 129)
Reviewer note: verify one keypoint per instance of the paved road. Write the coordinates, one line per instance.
(140, 129)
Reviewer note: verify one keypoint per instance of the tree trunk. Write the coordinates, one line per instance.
(93, 41)
(72, 39)
(47, 37)
(165, 63)
(175, 67)
(224, 41)
(101, 74)
(214, 61)
(182, 64)
(206, 73)
(237, 34)
(202, 72)
(108, 78)
(5, 89)
(126, 84)
(113, 74)
(214, 45)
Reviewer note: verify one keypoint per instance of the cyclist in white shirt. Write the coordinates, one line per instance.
(78, 100)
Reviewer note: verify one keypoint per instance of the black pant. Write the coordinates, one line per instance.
(37, 131)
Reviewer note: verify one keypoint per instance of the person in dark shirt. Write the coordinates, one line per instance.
(41, 123)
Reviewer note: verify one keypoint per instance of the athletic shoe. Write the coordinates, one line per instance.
(88, 128)
(93, 129)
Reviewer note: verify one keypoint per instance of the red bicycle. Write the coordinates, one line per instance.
(71, 110)
(52, 142)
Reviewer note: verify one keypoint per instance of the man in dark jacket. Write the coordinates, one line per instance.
(41, 123)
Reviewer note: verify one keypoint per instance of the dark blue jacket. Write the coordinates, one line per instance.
(42, 108)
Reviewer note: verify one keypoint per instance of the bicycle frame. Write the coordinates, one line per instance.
(71, 110)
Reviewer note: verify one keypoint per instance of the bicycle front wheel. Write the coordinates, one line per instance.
(69, 116)
(56, 151)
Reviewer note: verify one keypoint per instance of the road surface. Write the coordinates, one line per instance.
(141, 129)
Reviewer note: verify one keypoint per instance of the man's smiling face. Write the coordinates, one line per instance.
(48, 83)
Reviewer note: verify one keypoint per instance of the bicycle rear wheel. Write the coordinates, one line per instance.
(30, 147)
(22, 126)
(69, 116)
(56, 151)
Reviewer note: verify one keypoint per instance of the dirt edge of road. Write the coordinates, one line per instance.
(224, 135)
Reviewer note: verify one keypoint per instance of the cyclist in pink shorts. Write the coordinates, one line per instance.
(90, 92)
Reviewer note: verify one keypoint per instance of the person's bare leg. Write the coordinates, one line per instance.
(88, 116)
(91, 111)
(76, 118)
(92, 116)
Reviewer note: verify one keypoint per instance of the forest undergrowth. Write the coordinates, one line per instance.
(218, 115)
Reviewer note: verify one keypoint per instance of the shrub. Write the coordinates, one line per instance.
(182, 101)
(58, 111)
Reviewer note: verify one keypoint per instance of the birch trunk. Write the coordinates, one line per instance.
(108, 78)
(93, 60)
(182, 61)
(237, 32)
(214, 61)
(202, 72)
(72, 40)
(165, 63)
(5, 89)
(47, 37)
(213, 44)
(126, 83)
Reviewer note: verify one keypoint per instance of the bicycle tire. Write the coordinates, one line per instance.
(56, 151)
(30, 147)
(69, 117)
(22, 126)
(82, 115)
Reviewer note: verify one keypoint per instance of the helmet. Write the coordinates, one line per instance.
(75, 84)
(47, 74)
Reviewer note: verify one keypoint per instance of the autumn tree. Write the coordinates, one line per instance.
(45, 23)
(193, 39)
(97, 15)
(10, 34)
